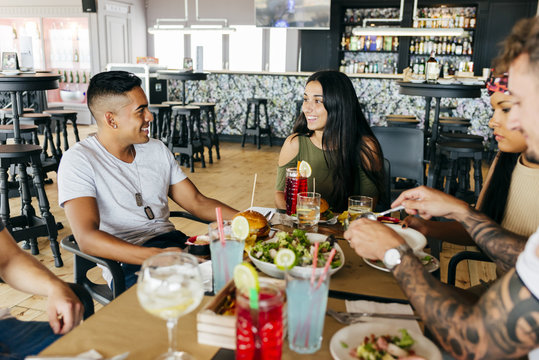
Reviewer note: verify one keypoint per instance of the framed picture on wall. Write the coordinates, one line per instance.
(10, 62)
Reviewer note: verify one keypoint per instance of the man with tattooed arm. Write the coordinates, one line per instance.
(504, 323)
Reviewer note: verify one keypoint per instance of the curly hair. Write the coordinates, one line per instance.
(524, 39)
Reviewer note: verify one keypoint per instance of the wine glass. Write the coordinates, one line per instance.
(170, 286)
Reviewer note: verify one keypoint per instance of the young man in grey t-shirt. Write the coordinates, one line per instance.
(115, 186)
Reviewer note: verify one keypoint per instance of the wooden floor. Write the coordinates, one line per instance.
(230, 180)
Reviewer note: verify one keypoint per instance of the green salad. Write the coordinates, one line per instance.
(297, 242)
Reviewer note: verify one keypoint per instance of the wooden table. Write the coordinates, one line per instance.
(183, 76)
(124, 325)
(436, 91)
(16, 84)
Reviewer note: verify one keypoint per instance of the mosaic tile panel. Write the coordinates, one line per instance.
(379, 97)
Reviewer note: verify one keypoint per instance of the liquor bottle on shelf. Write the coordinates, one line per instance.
(472, 20)
(395, 43)
(71, 77)
(415, 68)
(361, 43)
(422, 67)
(367, 43)
(412, 46)
(343, 42)
(84, 78)
(379, 43)
(77, 77)
(353, 43)
(432, 71)
(76, 56)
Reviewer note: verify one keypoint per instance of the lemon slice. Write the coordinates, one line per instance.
(246, 278)
(240, 227)
(305, 169)
(285, 259)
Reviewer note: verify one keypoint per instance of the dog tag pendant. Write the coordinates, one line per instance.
(138, 199)
(149, 213)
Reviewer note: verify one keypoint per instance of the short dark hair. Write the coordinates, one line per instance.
(110, 83)
(524, 39)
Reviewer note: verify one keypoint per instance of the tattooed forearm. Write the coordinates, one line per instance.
(503, 324)
(502, 246)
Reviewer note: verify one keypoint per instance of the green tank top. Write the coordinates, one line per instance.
(322, 173)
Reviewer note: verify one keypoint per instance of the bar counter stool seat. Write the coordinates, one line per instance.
(256, 130)
(7, 113)
(210, 137)
(61, 117)
(28, 226)
(161, 121)
(184, 134)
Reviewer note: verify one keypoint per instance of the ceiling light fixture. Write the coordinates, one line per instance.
(183, 24)
(402, 31)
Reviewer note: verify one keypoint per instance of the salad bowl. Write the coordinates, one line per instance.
(269, 268)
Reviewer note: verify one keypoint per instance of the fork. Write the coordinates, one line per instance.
(350, 318)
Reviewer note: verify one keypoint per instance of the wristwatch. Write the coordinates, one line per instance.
(393, 256)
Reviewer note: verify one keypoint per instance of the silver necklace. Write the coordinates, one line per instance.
(138, 195)
(139, 200)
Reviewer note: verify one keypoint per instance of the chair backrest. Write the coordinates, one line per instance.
(403, 148)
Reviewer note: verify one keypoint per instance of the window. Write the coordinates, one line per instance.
(168, 48)
(246, 49)
(212, 45)
(277, 50)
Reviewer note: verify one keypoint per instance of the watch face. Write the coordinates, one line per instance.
(392, 258)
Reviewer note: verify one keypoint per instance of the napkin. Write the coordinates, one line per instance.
(206, 274)
(88, 355)
(389, 308)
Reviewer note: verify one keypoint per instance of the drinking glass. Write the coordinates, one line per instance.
(306, 304)
(259, 333)
(224, 257)
(294, 185)
(170, 286)
(358, 205)
(308, 210)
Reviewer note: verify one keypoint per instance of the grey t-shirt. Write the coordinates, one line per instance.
(88, 170)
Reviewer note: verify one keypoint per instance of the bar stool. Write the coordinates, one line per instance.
(28, 133)
(256, 129)
(408, 121)
(28, 226)
(454, 151)
(210, 137)
(161, 115)
(49, 163)
(7, 113)
(61, 117)
(184, 135)
(454, 124)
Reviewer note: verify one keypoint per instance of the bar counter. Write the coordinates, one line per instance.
(378, 93)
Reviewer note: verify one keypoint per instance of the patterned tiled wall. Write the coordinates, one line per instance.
(379, 96)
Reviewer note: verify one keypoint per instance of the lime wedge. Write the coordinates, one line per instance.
(285, 259)
(246, 278)
(305, 169)
(240, 227)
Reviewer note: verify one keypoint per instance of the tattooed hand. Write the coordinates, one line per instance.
(502, 325)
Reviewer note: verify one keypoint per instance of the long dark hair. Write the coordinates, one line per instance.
(495, 199)
(345, 138)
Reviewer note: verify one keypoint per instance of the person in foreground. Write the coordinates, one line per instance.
(503, 324)
(115, 186)
(329, 134)
(23, 272)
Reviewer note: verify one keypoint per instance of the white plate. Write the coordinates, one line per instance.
(11, 72)
(417, 81)
(354, 334)
(413, 238)
(430, 267)
(445, 81)
(271, 269)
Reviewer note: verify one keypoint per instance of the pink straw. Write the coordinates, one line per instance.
(219, 216)
(326, 268)
(315, 260)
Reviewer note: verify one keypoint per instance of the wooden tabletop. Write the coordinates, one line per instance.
(123, 326)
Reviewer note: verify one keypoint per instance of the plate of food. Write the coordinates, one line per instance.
(302, 243)
(429, 262)
(446, 81)
(417, 81)
(380, 340)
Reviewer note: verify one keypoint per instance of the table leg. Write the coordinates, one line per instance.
(183, 93)
(15, 100)
(432, 144)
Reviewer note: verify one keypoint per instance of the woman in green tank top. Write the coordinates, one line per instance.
(334, 137)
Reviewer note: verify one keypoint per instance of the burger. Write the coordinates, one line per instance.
(258, 224)
(325, 212)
